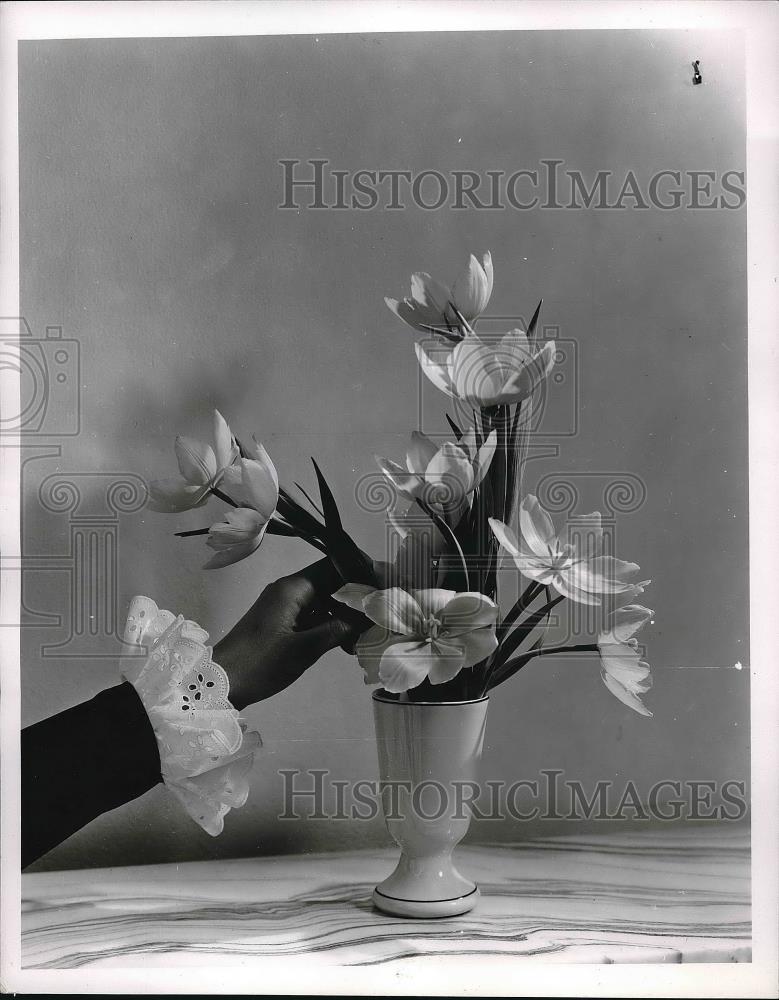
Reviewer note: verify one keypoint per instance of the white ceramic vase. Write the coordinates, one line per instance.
(428, 754)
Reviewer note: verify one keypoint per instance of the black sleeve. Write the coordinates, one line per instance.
(83, 762)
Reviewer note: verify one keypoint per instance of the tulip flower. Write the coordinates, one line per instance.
(483, 374)
(623, 671)
(202, 468)
(576, 569)
(434, 307)
(254, 479)
(420, 634)
(242, 529)
(632, 591)
(235, 537)
(441, 476)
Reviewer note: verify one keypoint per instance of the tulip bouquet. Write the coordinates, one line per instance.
(433, 629)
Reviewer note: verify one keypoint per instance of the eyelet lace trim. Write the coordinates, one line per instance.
(206, 750)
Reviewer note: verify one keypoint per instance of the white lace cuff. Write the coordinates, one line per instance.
(206, 750)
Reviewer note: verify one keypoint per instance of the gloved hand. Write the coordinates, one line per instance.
(291, 625)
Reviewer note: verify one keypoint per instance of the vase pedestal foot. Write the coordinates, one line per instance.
(425, 908)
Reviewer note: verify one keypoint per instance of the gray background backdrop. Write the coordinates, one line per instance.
(150, 232)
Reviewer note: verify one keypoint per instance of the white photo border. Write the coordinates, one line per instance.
(757, 23)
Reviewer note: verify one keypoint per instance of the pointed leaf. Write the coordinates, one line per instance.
(298, 516)
(329, 506)
(531, 330)
(350, 561)
(282, 528)
(306, 495)
(457, 431)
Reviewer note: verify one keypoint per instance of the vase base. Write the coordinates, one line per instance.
(426, 909)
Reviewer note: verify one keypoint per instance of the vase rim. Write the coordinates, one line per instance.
(377, 696)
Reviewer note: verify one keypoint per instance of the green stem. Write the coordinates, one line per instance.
(461, 319)
(447, 532)
(584, 647)
(530, 594)
(297, 515)
(511, 642)
(517, 454)
(305, 494)
(500, 462)
(515, 664)
(223, 496)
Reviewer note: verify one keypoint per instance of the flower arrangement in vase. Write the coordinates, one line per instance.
(434, 636)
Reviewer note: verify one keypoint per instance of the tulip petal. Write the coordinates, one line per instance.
(563, 584)
(477, 373)
(413, 314)
(370, 648)
(585, 536)
(523, 383)
(624, 664)
(446, 661)
(238, 527)
(536, 527)
(634, 590)
(197, 462)
(505, 536)
(468, 443)
(627, 621)
(478, 645)
(172, 496)
(394, 609)
(433, 600)
(405, 665)
(436, 370)
(603, 575)
(486, 263)
(260, 486)
(428, 306)
(353, 595)
(225, 448)
(259, 454)
(409, 484)
(515, 348)
(535, 569)
(450, 475)
(471, 291)
(234, 554)
(429, 292)
(625, 696)
(468, 611)
(420, 453)
(484, 457)
(611, 568)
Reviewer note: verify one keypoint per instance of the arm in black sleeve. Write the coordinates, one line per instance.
(83, 762)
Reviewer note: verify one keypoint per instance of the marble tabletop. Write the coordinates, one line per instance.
(675, 895)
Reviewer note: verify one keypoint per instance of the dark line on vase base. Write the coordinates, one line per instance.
(450, 899)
